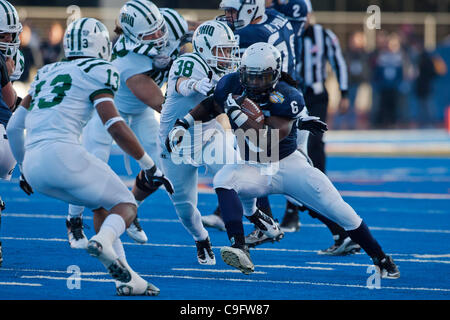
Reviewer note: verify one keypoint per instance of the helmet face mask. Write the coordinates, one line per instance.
(9, 25)
(260, 70)
(87, 37)
(215, 43)
(240, 13)
(143, 23)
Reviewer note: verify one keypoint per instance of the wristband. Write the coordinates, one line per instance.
(146, 162)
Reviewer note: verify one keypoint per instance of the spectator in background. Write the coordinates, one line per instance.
(29, 45)
(358, 70)
(52, 49)
(388, 79)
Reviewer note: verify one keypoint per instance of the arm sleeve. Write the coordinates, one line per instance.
(337, 60)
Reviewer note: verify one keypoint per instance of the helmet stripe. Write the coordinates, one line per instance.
(177, 20)
(12, 12)
(80, 33)
(140, 10)
(230, 37)
(6, 12)
(174, 31)
(146, 7)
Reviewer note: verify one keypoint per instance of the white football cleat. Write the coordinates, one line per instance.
(136, 232)
(77, 238)
(238, 258)
(213, 221)
(137, 286)
(103, 251)
(205, 255)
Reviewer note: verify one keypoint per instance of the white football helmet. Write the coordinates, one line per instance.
(87, 37)
(141, 19)
(215, 43)
(9, 23)
(260, 70)
(241, 12)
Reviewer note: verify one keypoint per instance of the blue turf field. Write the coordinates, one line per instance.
(405, 202)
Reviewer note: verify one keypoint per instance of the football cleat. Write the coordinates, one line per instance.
(239, 258)
(105, 253)
(136, 286)
(257, 237)
(291, 221)
(341, 247)
(387, 268)
(266, 225)
(136, 232)
(77, 238)
(213, 221)
(2, 205)
(205, 255)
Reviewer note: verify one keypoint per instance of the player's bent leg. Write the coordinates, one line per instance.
(266, 229)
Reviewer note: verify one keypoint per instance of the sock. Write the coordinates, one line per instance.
(364, 238)
(290, 206)
(113, 227)
(263, 204)
(75, 211)
(232, 212)
(118, 248)
(335, 229)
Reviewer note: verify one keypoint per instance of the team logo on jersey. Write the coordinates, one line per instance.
(276, 97)
(128, 19)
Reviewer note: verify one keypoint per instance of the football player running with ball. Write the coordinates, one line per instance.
(61, 100)
(260, 79)
(193, 77)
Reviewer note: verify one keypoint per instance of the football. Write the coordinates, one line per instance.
(251, 109)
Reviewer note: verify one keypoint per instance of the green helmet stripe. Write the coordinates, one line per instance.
(142, 12)
(8, 18)
(149, 10)
(230, 37)
(12, 12)
(80, 33)
(176, 20)
(174, 31)
(72, 36)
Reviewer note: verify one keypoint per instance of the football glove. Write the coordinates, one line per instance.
(312, 124)
(204, 86)
(151, 179)
(175, 136)
(24, 185)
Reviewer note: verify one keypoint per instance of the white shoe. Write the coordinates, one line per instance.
(103, 250)
(137, 286)
(77, 238)
(136, 232)
(205, 255)
(238, 258)
(213, 221)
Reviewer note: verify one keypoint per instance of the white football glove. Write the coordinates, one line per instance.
(204, 86)
(230, 103)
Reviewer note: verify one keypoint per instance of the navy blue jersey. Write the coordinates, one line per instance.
(5, 112)
(295, 11)
(277, 31)
(285, 101)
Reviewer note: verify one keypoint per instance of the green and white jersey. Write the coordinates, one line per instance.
(19, 60)
(176, 106)
(62, 98)
(132, 59)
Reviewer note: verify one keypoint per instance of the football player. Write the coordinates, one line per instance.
(61, 100)
(252, 23)
(150, 38)
(11, 68)
(262, 80)
(193, 77)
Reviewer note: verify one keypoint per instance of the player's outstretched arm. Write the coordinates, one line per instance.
(146, 90)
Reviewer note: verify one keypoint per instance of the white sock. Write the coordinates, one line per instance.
(74, 211)
(112, 228)
(118, 248)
